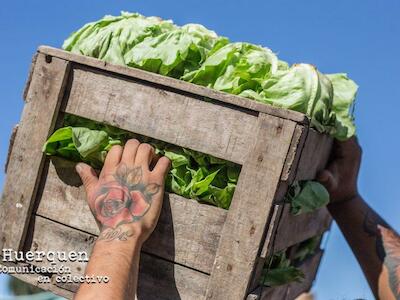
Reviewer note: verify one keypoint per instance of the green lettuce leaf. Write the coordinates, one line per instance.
(112, 37)
(176, 52)
(280, 271)
(344, 94)
(235, 68)
(301, 88)
(198, 55)
(193, 174)
(307, 248)
(281, 276)
(307, 196)
(80, 144)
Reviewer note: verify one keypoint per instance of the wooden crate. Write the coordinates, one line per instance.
(197, 251)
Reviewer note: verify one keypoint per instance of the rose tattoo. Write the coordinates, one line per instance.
(124, 200)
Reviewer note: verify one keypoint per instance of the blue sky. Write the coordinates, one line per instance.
(357, 37)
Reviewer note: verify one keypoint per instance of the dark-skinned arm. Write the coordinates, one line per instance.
(374, 243)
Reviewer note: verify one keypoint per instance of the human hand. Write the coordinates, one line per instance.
(126, 198)
(340, 176)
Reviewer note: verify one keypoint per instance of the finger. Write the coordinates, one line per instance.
(161, 169)
(130, 151)
(87, 175)
(112, 159)
(144, 156)
(327, 179)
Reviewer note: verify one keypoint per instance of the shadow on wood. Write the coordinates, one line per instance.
(152, 284)
(66, 171)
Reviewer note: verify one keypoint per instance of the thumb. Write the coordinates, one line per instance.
(87, 175)
(327, 179)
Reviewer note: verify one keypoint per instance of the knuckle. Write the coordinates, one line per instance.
(146, 147)
(132, 142)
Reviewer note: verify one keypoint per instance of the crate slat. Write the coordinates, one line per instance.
(158, 278)
(177, 84)
(188, 232)
(293, 156)
(247, 218)
(295, 229)
(26, 158)
(315, 155)
(142, 109)
(288, 229)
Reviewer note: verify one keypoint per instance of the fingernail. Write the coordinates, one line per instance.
(78, 167)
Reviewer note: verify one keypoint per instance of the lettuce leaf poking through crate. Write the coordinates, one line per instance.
(307, 248)
(306, 196)
(193, 174)
(281, 271)
(80, 144)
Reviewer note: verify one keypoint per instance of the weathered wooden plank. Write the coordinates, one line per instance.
(315, 155)
(30, 74)
(294, 154)
(158, 279)
(10, 146)
(293, 229)
(161, 114)
(270, 237)
(177, 84)
(152, 283)
(286, 229)
(187, 232)
(245, 226)
(26, 158)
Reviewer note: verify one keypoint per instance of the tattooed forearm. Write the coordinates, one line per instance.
(371, 222)
(119, 234)
(391, 244)
(126, 199)
(387, 248)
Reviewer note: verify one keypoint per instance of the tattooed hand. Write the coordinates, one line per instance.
(340, 176)
(126, 198)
